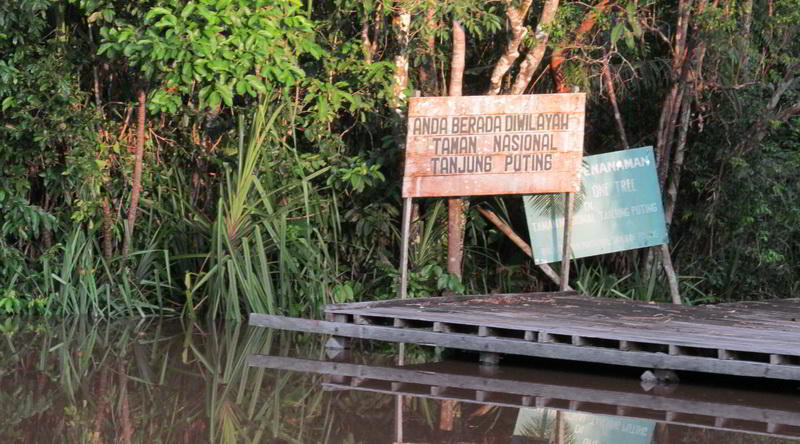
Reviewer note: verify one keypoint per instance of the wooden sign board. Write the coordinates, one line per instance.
(489, 145)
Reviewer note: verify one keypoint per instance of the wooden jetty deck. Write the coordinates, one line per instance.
(766, 413)
(755, 339)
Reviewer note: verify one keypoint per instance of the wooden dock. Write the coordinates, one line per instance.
(755, 339)
(773, 414)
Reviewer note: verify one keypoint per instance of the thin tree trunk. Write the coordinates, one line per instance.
(671, 107)
(672, 278)
(108, 247)
(402, 27)
(612, 97)
(366, 43)
(677, 161)
(136, 188)
(370, 44)
(427, 74)
(771, 112)
(95, 75)
(457, 62)
(747, 18)
(456, 207)
(744, 36)
(516, 18)
(125, 413)
(102, 407)
(667, 123)
(534, 56)
(559, 428)
(447, 415)
(675, 117)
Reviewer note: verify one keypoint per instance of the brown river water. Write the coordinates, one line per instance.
(173, 381)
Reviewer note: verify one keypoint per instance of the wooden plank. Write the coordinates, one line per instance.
(737, 339)
(445, 300)
(474, 185)
(538, 349)
(609, 319)
(529, 142)
(632, 331)
(503, 166)
(479, 105)
(747, 406)
(487, 145)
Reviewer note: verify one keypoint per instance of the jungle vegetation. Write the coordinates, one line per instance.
(217, 157)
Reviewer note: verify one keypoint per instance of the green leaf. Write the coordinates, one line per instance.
(256, 83)
(241, 87)
(156, 12)
(186, 73)
(226, 93)
(187, 10)
(629, 40)
(104, 47)
(218, 65)
(8, 102)
(616, 33)
(129, 50)
(214, 99)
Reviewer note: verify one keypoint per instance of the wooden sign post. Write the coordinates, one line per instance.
(491, 145)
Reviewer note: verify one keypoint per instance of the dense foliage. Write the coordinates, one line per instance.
(265, 168)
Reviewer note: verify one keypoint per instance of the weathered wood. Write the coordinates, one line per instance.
(439, 300)
(638, 325)
(569, 205)
(406, 230)
(337, 343)
(538, 349)
(542, 388)
(420, 149)
(489, 358)
(478, 105)
(485, 145)
(475, 185)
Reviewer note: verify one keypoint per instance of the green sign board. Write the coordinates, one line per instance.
(583, 428)
(621, 209)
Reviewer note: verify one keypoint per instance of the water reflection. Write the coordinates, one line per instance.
(176, 382)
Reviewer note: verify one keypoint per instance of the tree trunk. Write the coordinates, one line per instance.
(456, 207)
(674, 122)
(672, 278)
(136, 188)
(672, 103)
(516, 18)
(534, 57)
(108, 247)
(612, 97)
(559, 428)
(124, 405)
(448, 414)
(402, 27)
(427, 74)
(370, 44)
